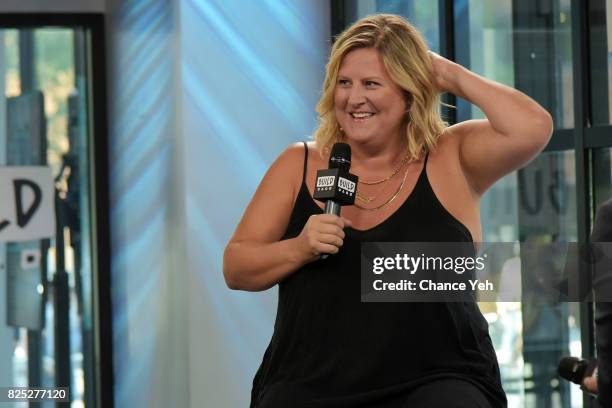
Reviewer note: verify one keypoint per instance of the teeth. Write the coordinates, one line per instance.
(361, 115)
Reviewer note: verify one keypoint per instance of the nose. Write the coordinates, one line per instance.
(356, 96)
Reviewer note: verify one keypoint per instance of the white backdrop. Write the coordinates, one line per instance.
(251, 76)
(204, 94)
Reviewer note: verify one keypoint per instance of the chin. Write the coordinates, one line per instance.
(360, 137)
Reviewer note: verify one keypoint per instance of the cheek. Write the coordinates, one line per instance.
(339, 99)
(395, 107)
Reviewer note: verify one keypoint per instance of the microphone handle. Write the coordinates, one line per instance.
(331, 207)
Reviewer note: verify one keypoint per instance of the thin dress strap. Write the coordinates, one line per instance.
(305, 162)
(424, 169)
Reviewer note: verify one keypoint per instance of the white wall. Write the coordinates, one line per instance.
(204, 94)
(251, 76)
(147, 218)
(52, 6)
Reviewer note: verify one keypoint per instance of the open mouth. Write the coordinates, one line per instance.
(361, 116)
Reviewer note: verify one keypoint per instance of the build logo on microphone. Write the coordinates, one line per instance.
(346, 186)
(326, 182)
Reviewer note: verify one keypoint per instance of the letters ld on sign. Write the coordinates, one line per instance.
(27, 209)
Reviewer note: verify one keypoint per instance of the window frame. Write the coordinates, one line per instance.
(94, 26)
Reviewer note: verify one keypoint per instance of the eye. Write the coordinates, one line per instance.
(371, 84)
(344, 82)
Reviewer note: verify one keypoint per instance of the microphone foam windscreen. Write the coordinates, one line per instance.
(572, 369)
(340, 157)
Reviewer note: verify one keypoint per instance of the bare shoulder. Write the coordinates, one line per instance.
(289, 164)
(292, 152)
(268, 212)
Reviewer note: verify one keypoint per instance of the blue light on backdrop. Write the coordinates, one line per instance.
(205, 95)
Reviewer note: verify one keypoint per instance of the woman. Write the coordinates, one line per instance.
(419, 181)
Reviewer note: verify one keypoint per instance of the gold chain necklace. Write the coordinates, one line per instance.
(367, 199)
(364, 198)
(393, 197)
(371, 183)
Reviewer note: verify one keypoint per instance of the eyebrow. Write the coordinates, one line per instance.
(375, 78)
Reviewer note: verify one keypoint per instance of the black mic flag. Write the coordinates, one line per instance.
(335, 186)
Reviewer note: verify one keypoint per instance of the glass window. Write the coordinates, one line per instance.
(490, 41)
(535, 204)
(530, 51)
(47, 338)
(423, 14)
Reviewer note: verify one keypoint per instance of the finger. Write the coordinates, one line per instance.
(327, 249)
(341, 222)
(590, 383)
(331, 229)
(329, 218)
(334, 219)
(331, 239)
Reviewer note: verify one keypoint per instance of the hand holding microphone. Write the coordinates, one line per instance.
(581, 372)
(323, 234)
(336, 187)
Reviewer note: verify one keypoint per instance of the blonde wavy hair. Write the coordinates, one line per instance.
(405, 57)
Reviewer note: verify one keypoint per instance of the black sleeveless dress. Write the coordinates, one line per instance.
(331, 350)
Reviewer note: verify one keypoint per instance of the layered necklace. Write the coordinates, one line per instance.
(365, 199)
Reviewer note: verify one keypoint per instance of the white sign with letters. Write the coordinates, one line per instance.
(27, 203)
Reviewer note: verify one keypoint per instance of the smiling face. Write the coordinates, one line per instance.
(369, 106)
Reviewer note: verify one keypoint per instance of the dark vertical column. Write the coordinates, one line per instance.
(446, 17)
(533, 37)
(27, 76)
(76, 132)
(598, 59)
(61, 304)
(582, 119)
(338, 17)
(27, 68)
(102, 250)
(461, 46)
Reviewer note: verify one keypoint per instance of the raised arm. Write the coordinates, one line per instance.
(516, 129)
(256, 258)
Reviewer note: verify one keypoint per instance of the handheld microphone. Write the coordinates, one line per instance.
(575, 369)
(335, 186)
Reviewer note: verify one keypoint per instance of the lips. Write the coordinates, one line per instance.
(361, 116)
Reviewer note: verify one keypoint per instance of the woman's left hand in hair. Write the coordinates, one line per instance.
(443, 73)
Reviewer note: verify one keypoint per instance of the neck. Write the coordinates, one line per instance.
(370, 158)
